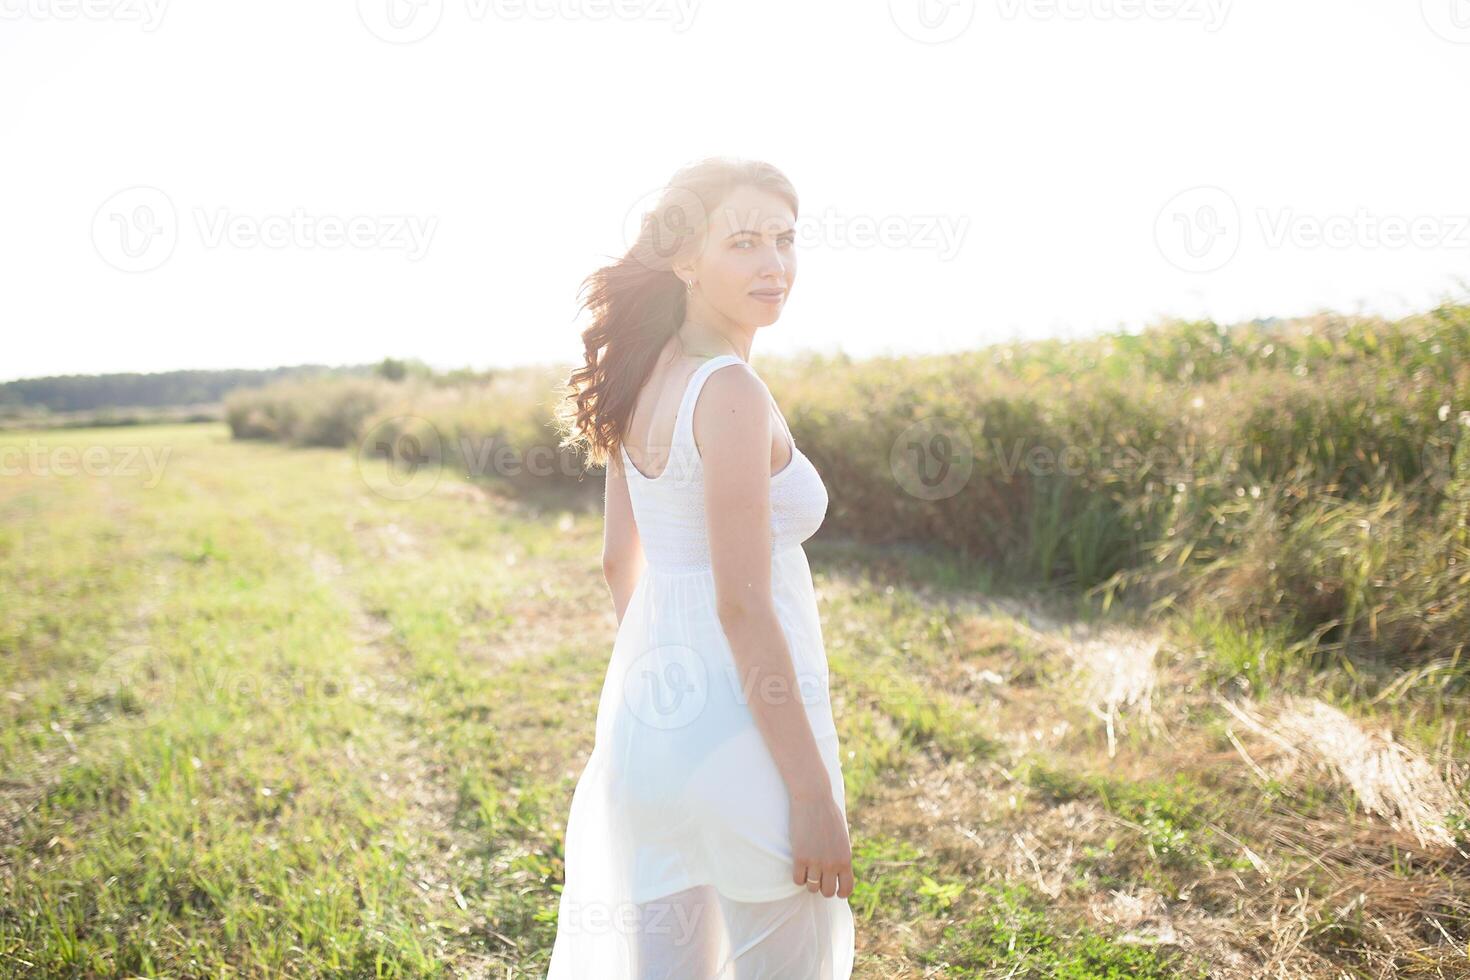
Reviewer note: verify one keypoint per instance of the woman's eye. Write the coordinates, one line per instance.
(783, 242)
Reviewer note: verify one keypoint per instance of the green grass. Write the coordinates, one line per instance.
(1012, 933)
(259, 719)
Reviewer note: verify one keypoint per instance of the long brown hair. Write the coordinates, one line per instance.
(638, 302)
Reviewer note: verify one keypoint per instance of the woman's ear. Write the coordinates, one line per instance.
(685, 262)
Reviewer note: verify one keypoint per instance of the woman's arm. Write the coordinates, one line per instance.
(733, 413)
(622, 550)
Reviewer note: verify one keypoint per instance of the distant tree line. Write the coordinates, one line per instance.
(87, 392)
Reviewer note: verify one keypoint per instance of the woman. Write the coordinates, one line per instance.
(707, 836)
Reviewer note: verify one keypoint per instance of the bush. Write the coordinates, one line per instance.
(1312, 474)
(311, 412)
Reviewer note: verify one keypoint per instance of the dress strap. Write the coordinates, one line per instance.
(684, 447)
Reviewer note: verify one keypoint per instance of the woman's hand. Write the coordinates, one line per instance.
(820, 850)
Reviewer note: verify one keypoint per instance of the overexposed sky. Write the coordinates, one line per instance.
(211, 185)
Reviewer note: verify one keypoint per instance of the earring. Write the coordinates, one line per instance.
(689, 287)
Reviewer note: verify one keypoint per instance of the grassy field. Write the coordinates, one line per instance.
(260, 718)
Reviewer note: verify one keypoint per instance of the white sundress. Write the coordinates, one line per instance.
(678, 851)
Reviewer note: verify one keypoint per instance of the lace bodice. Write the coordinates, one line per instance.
(670, 508)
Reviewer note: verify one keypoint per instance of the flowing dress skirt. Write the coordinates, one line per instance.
(678, 852)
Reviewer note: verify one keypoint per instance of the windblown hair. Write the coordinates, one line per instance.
(638, 302)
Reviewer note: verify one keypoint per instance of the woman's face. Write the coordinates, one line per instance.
(747, 264)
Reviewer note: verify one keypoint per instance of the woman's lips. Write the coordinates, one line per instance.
(769, 295)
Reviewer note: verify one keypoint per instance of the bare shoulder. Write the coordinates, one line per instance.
(732, 411)
(731, 389)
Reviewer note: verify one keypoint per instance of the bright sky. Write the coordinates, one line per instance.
(209, 185)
